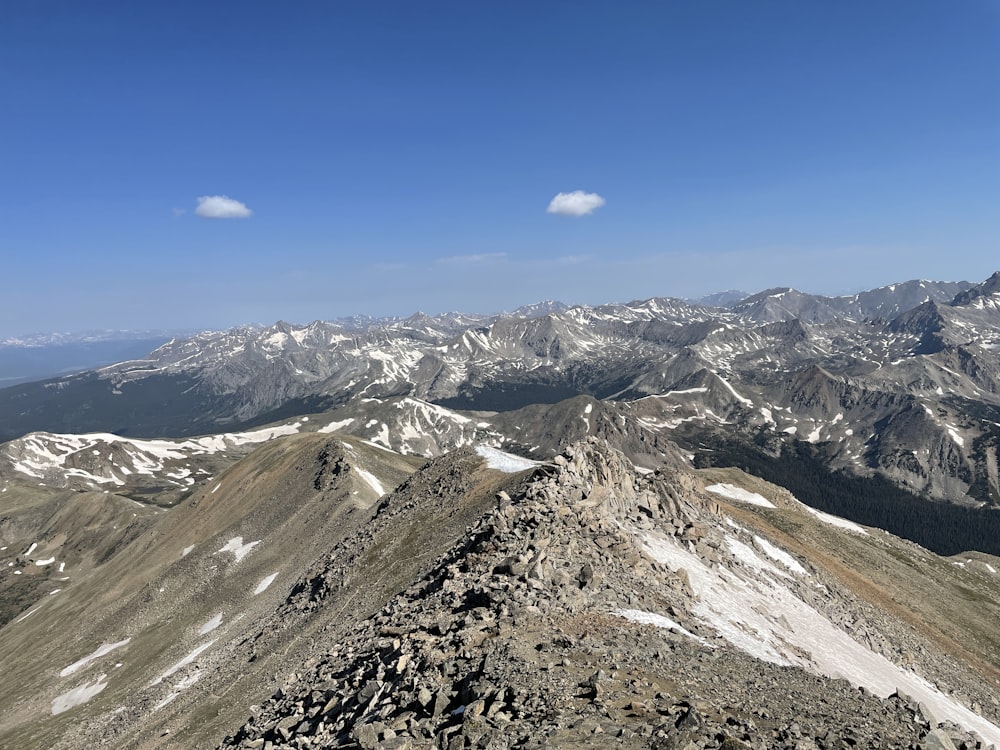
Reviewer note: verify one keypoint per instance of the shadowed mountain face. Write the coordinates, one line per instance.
(566, 526)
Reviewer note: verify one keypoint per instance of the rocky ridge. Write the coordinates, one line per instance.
(580, 601)
(524, 635)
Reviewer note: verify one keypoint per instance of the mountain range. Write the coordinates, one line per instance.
(900, 381)
(750, 521)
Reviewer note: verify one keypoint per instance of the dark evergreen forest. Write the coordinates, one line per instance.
(944, 528)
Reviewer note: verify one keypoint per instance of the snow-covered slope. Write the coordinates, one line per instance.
(105, 461)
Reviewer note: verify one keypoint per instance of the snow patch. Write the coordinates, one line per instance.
(264, 583)
(106, 648)
(182, 663)
(651, 618)
(746, 555)
(26, 615)
(505, 462)
(700, 389)
(337, 426)
(729, 387)
(953, 433)
(182, 684)
(238, 548)
(385, 447)
(738, 493)
(837, 521)
(371, 480)
(383, 436)
(778, 554)
(211, 625)
(78, 695)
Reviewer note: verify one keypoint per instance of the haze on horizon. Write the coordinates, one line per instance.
(193, 166)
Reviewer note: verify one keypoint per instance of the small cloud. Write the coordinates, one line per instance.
(178, 211)
(577, 203)
(221, 207)
(476, 258)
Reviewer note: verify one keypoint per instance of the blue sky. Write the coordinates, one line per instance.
(396, 156)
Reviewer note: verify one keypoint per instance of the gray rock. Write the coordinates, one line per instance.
(936, 739)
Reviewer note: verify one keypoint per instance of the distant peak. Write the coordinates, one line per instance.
(988, 288)
(722, 299)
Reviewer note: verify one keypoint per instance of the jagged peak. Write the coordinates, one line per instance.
(988, 288)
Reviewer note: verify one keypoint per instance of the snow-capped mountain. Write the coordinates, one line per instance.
(911, 394)
(883, 303)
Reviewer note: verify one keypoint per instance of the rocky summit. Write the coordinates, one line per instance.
(687, 527)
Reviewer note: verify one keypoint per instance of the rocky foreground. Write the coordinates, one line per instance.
(551, 624)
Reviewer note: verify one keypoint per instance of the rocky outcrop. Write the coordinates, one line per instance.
(519, 636)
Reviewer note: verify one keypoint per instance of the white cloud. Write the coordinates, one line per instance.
(221, 207)
(577, 203)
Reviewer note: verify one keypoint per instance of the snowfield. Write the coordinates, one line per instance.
(758, 613)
